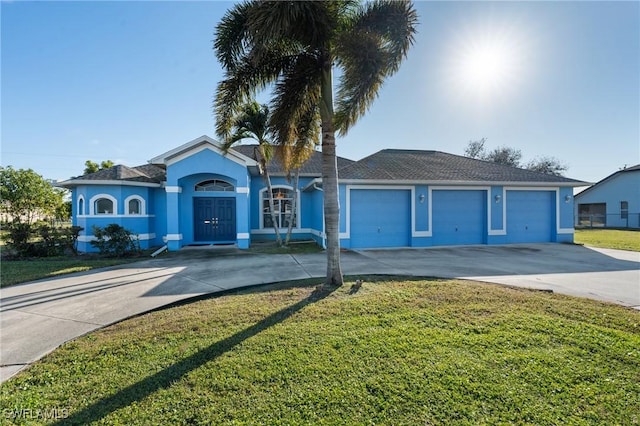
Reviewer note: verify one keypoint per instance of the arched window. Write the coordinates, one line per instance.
(282, 206)
(80, 210)
(103, 206)
(214, 185)
(134, 205)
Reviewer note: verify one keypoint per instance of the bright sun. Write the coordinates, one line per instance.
(487, 65)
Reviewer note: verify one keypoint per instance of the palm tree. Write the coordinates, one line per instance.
(251, 123)
(295, 46)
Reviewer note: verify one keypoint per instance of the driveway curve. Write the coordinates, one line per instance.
(37, 317)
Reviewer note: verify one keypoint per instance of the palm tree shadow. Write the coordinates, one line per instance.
(165, 378)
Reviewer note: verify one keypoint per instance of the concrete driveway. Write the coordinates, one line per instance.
(37, 317)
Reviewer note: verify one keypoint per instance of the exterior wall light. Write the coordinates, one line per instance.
(567, 199)
(498, 198)
(421, 198)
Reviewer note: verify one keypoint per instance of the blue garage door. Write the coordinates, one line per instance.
(459, 217)
(380, 218)
(530, 216)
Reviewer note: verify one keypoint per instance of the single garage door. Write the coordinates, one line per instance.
(380, 218)
(531, 216)
(459, 217)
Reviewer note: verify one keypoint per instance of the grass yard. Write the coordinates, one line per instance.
(609, 238)
(19, 271)
(421, 352)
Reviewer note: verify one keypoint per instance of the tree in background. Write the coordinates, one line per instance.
(92, 167)
(512, 157)
(295, 46)
(547, 165)
(27, 196)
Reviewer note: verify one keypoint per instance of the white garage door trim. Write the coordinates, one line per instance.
(555, 189)
(414, 233)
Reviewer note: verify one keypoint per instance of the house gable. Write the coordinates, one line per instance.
(200, 144)
(613, 202)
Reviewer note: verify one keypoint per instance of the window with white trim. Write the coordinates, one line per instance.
(80, 206)
(133, 206)
(103, 206)
(214, 185)
(282, 205)
(624, 210)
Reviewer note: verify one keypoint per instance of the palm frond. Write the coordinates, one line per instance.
(395, 21)
(240, 86)
(369, 52)
(295, 93)
(231, 35)
(309, 23)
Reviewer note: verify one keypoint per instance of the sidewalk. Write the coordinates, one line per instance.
(37, 317)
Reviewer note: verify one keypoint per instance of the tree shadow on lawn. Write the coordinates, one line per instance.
(165, 378)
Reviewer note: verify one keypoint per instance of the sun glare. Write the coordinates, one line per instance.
(487, 65)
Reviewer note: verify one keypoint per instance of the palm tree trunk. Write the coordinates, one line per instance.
(272, 212)
(267, 178)
(330, 183)
(294, 206)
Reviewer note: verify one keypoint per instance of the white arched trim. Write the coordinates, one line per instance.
(142, 205)
(263, 198)
(80, 206)
(95, 198)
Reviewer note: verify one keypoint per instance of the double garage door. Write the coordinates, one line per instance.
(382, 217)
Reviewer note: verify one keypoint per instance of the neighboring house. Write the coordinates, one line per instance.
(613, 202)
(195, 194)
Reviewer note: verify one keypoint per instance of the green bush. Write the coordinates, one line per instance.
(40, 240)
(114, 240)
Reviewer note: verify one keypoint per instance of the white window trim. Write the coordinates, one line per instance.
(80, 211)
(92, 205)
(233, 190)
(143, 206)
(260, 199)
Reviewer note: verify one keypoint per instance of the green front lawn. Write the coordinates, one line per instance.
(19, 271)
(421, 352)
(609, 238)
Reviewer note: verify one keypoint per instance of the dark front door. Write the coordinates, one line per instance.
(214, 219)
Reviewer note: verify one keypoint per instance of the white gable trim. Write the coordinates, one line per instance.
(198, 145)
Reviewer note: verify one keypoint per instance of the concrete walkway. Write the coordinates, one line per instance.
(37, 317)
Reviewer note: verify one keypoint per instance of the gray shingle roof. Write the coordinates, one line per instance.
(385, 165)
(145, 173)
(312, 167)
(434, 166)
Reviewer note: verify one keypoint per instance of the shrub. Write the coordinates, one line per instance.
(41, 240)
(114, 240)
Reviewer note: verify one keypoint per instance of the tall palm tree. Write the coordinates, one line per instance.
(295, 46)
(251, 122)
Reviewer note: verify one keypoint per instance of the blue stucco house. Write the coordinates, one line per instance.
(613, 202)
(197, 195)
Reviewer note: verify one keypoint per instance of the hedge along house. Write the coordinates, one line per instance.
(197, 195)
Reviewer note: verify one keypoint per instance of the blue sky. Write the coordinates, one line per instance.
(127, 81)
